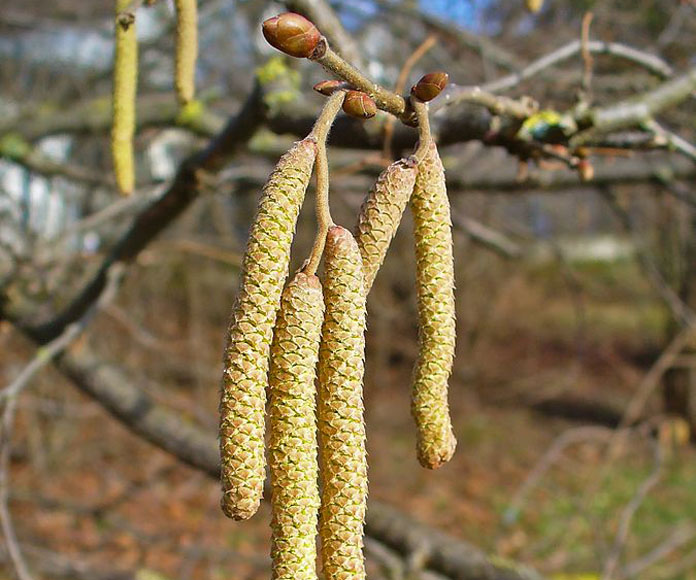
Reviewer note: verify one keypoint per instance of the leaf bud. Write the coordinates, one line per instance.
(358, 104)
(292, 34)
(329, 87)
(430, 86)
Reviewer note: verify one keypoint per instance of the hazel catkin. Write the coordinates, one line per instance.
(292, 448)
(436, 312)
(380, 215)
(534, 5)
(265, 269)
(124, 93)
(186, 49)
(340, 411)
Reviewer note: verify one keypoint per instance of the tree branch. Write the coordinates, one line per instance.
(115, 391)
(158, 215)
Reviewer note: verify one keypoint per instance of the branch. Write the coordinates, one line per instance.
(638, 110)
(10, 394)
(133, 407)
(158, 215)
(652, 63)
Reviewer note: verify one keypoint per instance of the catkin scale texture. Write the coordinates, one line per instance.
(342, 451)
(245, 377)
(380, 215)
(292, 448)
(124, 93)
(436, 313)
(186, 49)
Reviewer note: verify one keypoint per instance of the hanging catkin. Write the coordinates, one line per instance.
(534, 5)
(292, 448)
(340, 410)
(380, 215)
(186, 49)
(124, 92)
(265, 269)
(435, 282)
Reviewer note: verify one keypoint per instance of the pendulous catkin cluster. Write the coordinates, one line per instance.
(186, 49)
(285, 339)
(124, 92)
(436, 312)
(265, 269)
(292, 446)
(340, 410)
(381, 213)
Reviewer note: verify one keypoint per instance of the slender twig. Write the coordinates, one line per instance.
(10, 395)
(680, 536)
(399, 87)
(521, 108)
(383, 98)
(650, 62)
(630, 510)
(586, 54)
(324, 220)
(560, 444)
(669, 140)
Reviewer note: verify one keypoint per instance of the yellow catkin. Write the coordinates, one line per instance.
(245, 377)
(186, 49)
(380, 215)
(534, 5)
(292, 447)
(124, 92)
(340, 411)
(436, 312)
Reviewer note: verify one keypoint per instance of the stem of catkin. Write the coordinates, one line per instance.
(186, 49)
(292, 447)
(425, 136)
(436, 312)
(124, 93)
(320, 133)
(340, 410)
(265, 269)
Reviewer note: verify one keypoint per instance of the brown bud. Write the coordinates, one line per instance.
(358, 104)
(329, 87)
(430, 86)
(292, 34)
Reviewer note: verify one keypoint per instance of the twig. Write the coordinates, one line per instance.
(383, 98)
(630, 510)
(324, 220)
(486, 236)
(566, 439)
(10, 395)
(425, 137)
(652, 63)
(670, 140)
(681, 311)
(639, 109)
(399, 87)
(586, 55)
(521, 108)
(681, 535)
